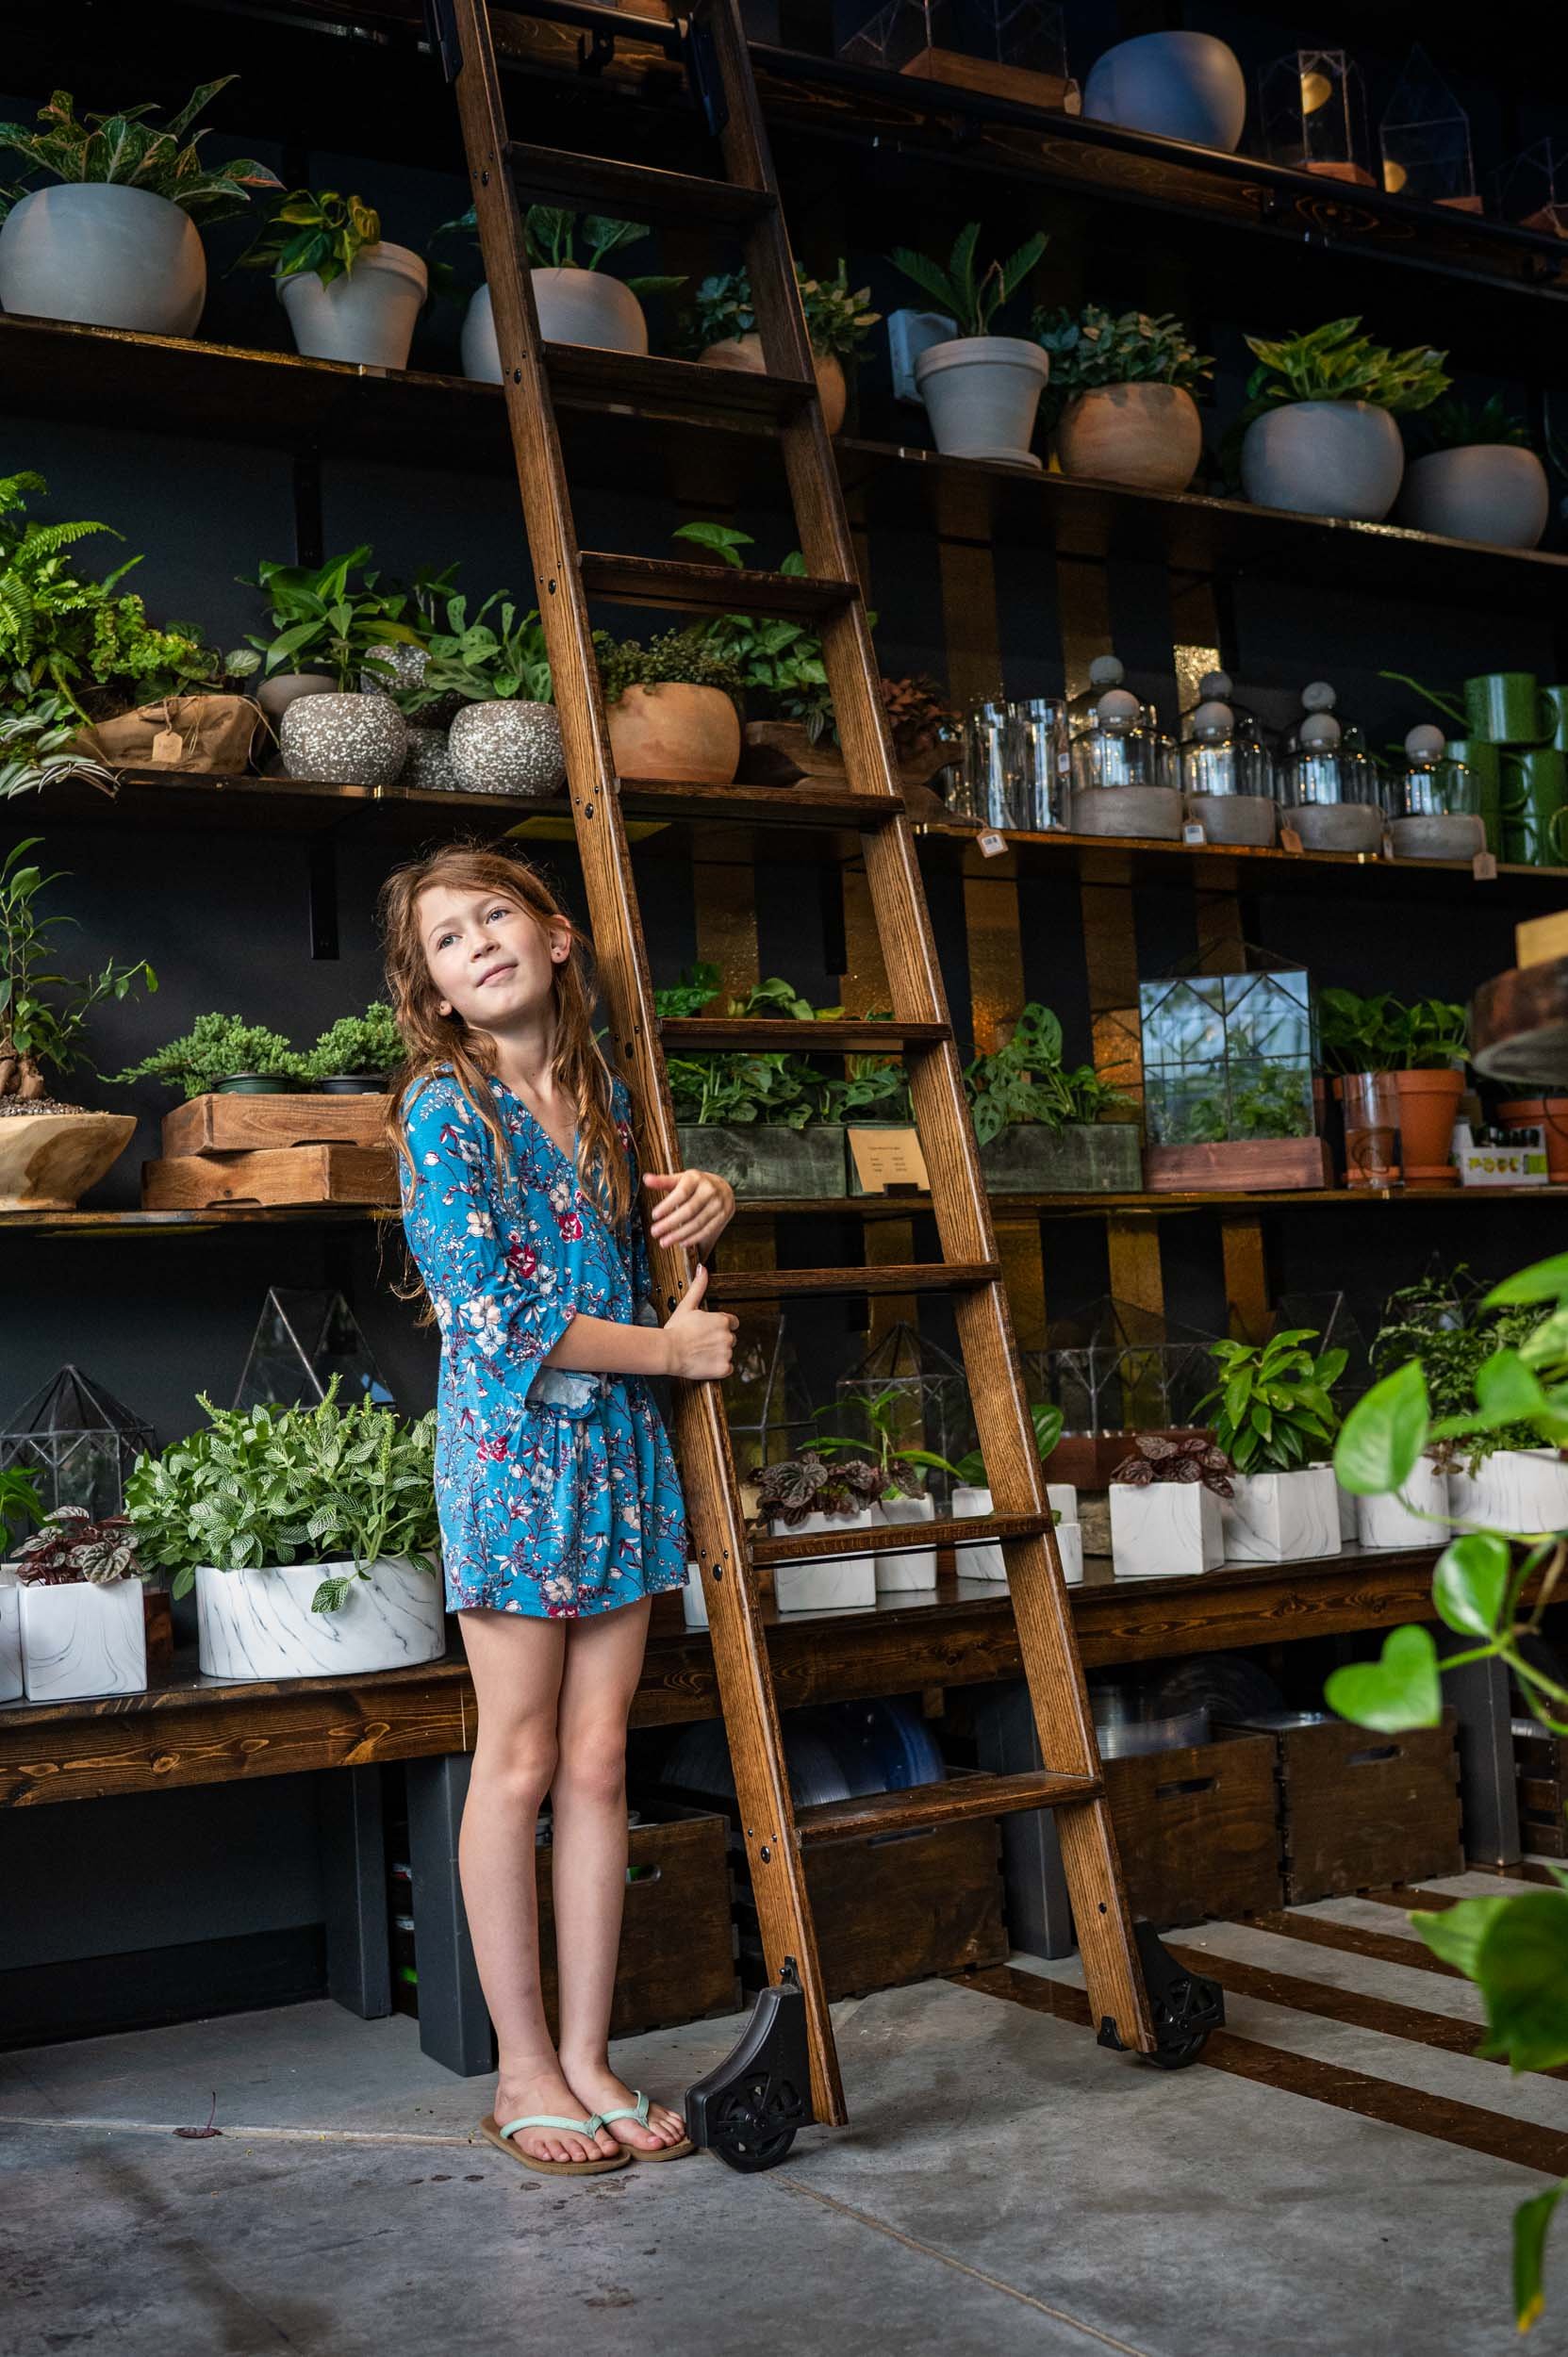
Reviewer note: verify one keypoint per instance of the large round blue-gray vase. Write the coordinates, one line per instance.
(1180, 86)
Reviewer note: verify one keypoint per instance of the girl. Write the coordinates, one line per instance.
(560, 1509)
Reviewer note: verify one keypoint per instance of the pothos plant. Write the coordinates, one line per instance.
(1493, 1588)
(972, 297)
(326, 234)
(125, 148)
(43, 1010)
(1028, 1082)
(1273, 1410)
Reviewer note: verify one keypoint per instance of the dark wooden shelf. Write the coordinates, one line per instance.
(797, 1284)
(633, 191)
(688, 589)
(711, 1034)
(1096, 1206)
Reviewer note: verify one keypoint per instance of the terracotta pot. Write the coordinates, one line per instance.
(1551, 1115)
(1148, 436)
(48, 1160)
(1429, 1102)
(1372, 1113)
(674, 732)
(745, 351)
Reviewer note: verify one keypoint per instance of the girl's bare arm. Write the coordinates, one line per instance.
(696, 1345)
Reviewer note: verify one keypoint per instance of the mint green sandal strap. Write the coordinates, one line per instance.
(637, 2111)
(551, 2120)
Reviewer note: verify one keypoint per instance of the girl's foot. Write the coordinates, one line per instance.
(599, 2090)
(547, 2091)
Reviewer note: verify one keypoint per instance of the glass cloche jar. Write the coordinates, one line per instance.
(1328, 781)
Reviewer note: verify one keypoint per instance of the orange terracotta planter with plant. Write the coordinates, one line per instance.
(1429, 1102)
(1546, 1112)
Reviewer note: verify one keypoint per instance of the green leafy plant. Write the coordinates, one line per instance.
(808, 1484)
(551, 237)
(1272, 1409)
(43, 1010)
(697, 987)
(326, 234)
(34, 750)
(71, 1547)
(1045, 1418)
(1465, 425)
(1093, 347)
(358, 1044)
(1336, 362)
(270, 1486)
(217, 1048)
(1493, 1587)
(902, 1466)
(838, 321)
(1028, 1082)
(1444, 1325)
(482, 660)
(324, 621)
(20, 1502)
(684, 657)
(125, 148)
(971, 300)
(1383, 1034)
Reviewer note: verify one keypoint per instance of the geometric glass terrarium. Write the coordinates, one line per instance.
(1315, 115)
(1009, 47)
(765, 1403)
(1115, 1367)
(78, 1443)
(929, 1405)
(1425, 140)
(303, 1340)
(1532, 188)
(1228, 1056)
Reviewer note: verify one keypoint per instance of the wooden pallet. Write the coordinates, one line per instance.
(224, 1124)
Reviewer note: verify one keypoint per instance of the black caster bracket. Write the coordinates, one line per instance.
(1187, 2008)
(749, 2107)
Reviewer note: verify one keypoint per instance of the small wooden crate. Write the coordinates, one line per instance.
(1239, 1166)
(1540, 1765)
(225, 1123)
(284, 1174)
(1360, 1810)
(1198, 1829)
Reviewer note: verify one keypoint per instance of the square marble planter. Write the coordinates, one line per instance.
(984, 1559)
(1516, 1488)
(826, 1583)
(1061, 1497)
(10, 1636)
(87, 1637)
(1390, 1522)
(694, 1600)
(911, 1568)
(1166, 1531)
(1279, 1517)
(260, 1625)
(1349, 1520)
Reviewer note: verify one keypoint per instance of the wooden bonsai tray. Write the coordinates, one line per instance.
(285, 1174)
(1239, 1166)
(225, 1124)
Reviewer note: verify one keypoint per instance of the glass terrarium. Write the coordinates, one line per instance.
(927, 1394)
(1227, 1057)
(78, 1443)
(303, 1340)
(1223, 752)
(1313, 115)
(766, 1403)
(1434, 802)
(1012, 48)
(1425, 140)
(1015, 765)
(1115, 1367)
(1532, 188)
(1327, 781)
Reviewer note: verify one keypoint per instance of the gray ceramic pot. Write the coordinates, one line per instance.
(407, 666)
(429, 762)
(276, 693)
(1324, 458)
(508, 747)
(351, 740)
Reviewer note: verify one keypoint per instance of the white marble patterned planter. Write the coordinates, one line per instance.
(1348, 1519)
(826, 1583)
(910, 1568)
(1281, 1517)
(1515, 1489)
(82, 1637)
(260, 1625)
(1061, 1497)
(1165, 1530)
(982, 1559)
(1388, 1522)
(10, 1636)
(693, 1601)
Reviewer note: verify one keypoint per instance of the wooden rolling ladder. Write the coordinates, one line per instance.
(784, 2070)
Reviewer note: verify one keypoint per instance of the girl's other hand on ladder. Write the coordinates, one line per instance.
(696, 1210)
(701, 1343)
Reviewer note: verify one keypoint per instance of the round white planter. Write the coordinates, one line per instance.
(353, 740)
(1339, 458)
(1492, 492)
(260, 1625)
(575, 306)
(981, 393)
(1147, 435)
(427, 762)
(110, 255)
(368, 315)
(1180, 86)
(910, 1568)
(508, 746)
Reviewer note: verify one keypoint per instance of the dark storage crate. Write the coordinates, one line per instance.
(1198, 1829)
(1541, 1766)
(1360, 1810)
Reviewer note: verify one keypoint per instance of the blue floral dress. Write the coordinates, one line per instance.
(556, 1492)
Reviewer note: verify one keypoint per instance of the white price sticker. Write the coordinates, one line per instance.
(992, 845)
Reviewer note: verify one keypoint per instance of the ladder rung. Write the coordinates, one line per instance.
(837, 1038)
(602, 184)
(710, 589)
(800, 805)
(946, 1804)
(583, 375)
(894, 1538)
(921, 1277)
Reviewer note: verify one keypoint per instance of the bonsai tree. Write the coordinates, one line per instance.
(1272, 1409)
(358, 1043)
(125, 147)
(43, 1010)
(323, 619)
(1027, 1080)
(217, 1048)
(971, 298)
(838, 321)
(306, 232)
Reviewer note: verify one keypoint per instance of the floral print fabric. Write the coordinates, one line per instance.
(556, 1491)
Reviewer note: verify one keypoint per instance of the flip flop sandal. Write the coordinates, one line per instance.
(501, 2137)
(638, 2111)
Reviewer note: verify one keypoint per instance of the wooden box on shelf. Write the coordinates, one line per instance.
(284, 1174)
(1198, 1829)
(1238, 1166)
(1541, 1767)
(1088, 1460)
(221, 1123)
(992, 77)
(1360, 1810)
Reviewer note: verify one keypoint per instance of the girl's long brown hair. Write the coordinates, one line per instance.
(434, 1039)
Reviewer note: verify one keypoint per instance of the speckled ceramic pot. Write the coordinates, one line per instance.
(428, 762)
(353, 740)
(408, 667)
(508, 747)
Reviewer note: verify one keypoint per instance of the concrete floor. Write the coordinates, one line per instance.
(1004, 2187)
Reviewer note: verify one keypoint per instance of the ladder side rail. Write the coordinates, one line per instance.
(746, 1684)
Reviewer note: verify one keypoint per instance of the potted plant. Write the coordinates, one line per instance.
(1356, 1051)
(79, 1593)
(221, 1054)
(673, 707)
(786, 709)
(116, 244)
(349, 296)
(358, 1055)
(1167, 1502)
(37, 749)
(577, 301)
(764, 1121)
(904, 1496)
(980, 389)
(1429, 1040)
(982, 1559)
(1177, 85)
(1121, 394)
(330, 632)
(1042, 1128)
(506, 737)
(721, 331)
(925, 725)
(1274, 1418)
(805, 1495)
(1474, 477)
(1318, 433)
(20, 1506)
(310, 1534)
(50, 1152)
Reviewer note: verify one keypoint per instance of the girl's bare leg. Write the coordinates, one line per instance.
(516, 1663)
(603, 1661)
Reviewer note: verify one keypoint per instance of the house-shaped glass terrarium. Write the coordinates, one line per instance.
(1009, 49)
(302, 1340)
(767, 1404)
(1532, 188)
(923, 1400)
(1425, 140)
(1314, 116)
(78, 1443)
(1115, 1367)
(1229, 1061)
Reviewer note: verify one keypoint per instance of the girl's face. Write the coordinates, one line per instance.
(490, 960)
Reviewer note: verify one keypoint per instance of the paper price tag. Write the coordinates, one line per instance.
(1192, 832)
(168, 745)
(1484, 868)
(888, 1158)
(1289, 839)
(992, 845)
